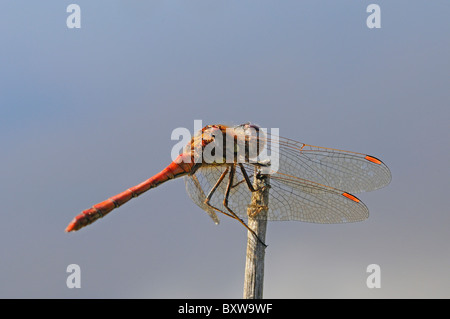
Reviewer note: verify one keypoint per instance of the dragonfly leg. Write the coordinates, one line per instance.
(247, 179)
(219, 181)
(213, 190)
(225, 203)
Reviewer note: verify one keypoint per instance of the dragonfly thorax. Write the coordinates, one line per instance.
(220, 144)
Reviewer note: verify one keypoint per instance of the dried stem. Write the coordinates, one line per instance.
(257, 221)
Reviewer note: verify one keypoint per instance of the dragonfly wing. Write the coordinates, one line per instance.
(349, 171)
(290, 198)
(302, 200)
(199, 185)
(198, 196)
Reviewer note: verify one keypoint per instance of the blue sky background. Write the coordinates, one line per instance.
(87, 113)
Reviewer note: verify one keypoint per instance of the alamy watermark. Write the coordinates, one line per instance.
(374, 18)
(74, 18)
(220, 144)
(374, 279)
(373, 21)
(74, 279)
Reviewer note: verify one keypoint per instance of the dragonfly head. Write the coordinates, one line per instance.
(254, 137)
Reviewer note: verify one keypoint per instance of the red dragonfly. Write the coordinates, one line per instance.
(307, 183)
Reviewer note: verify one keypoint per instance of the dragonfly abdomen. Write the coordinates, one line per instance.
(181, 166)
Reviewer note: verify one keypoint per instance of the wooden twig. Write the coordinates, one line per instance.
(257, 213)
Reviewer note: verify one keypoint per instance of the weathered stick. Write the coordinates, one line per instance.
(257, 213)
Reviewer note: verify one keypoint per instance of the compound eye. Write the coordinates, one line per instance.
(251, 126)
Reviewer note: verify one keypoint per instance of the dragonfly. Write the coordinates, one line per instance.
(307, 183)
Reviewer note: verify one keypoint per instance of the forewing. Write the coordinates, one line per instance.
(349, 171)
